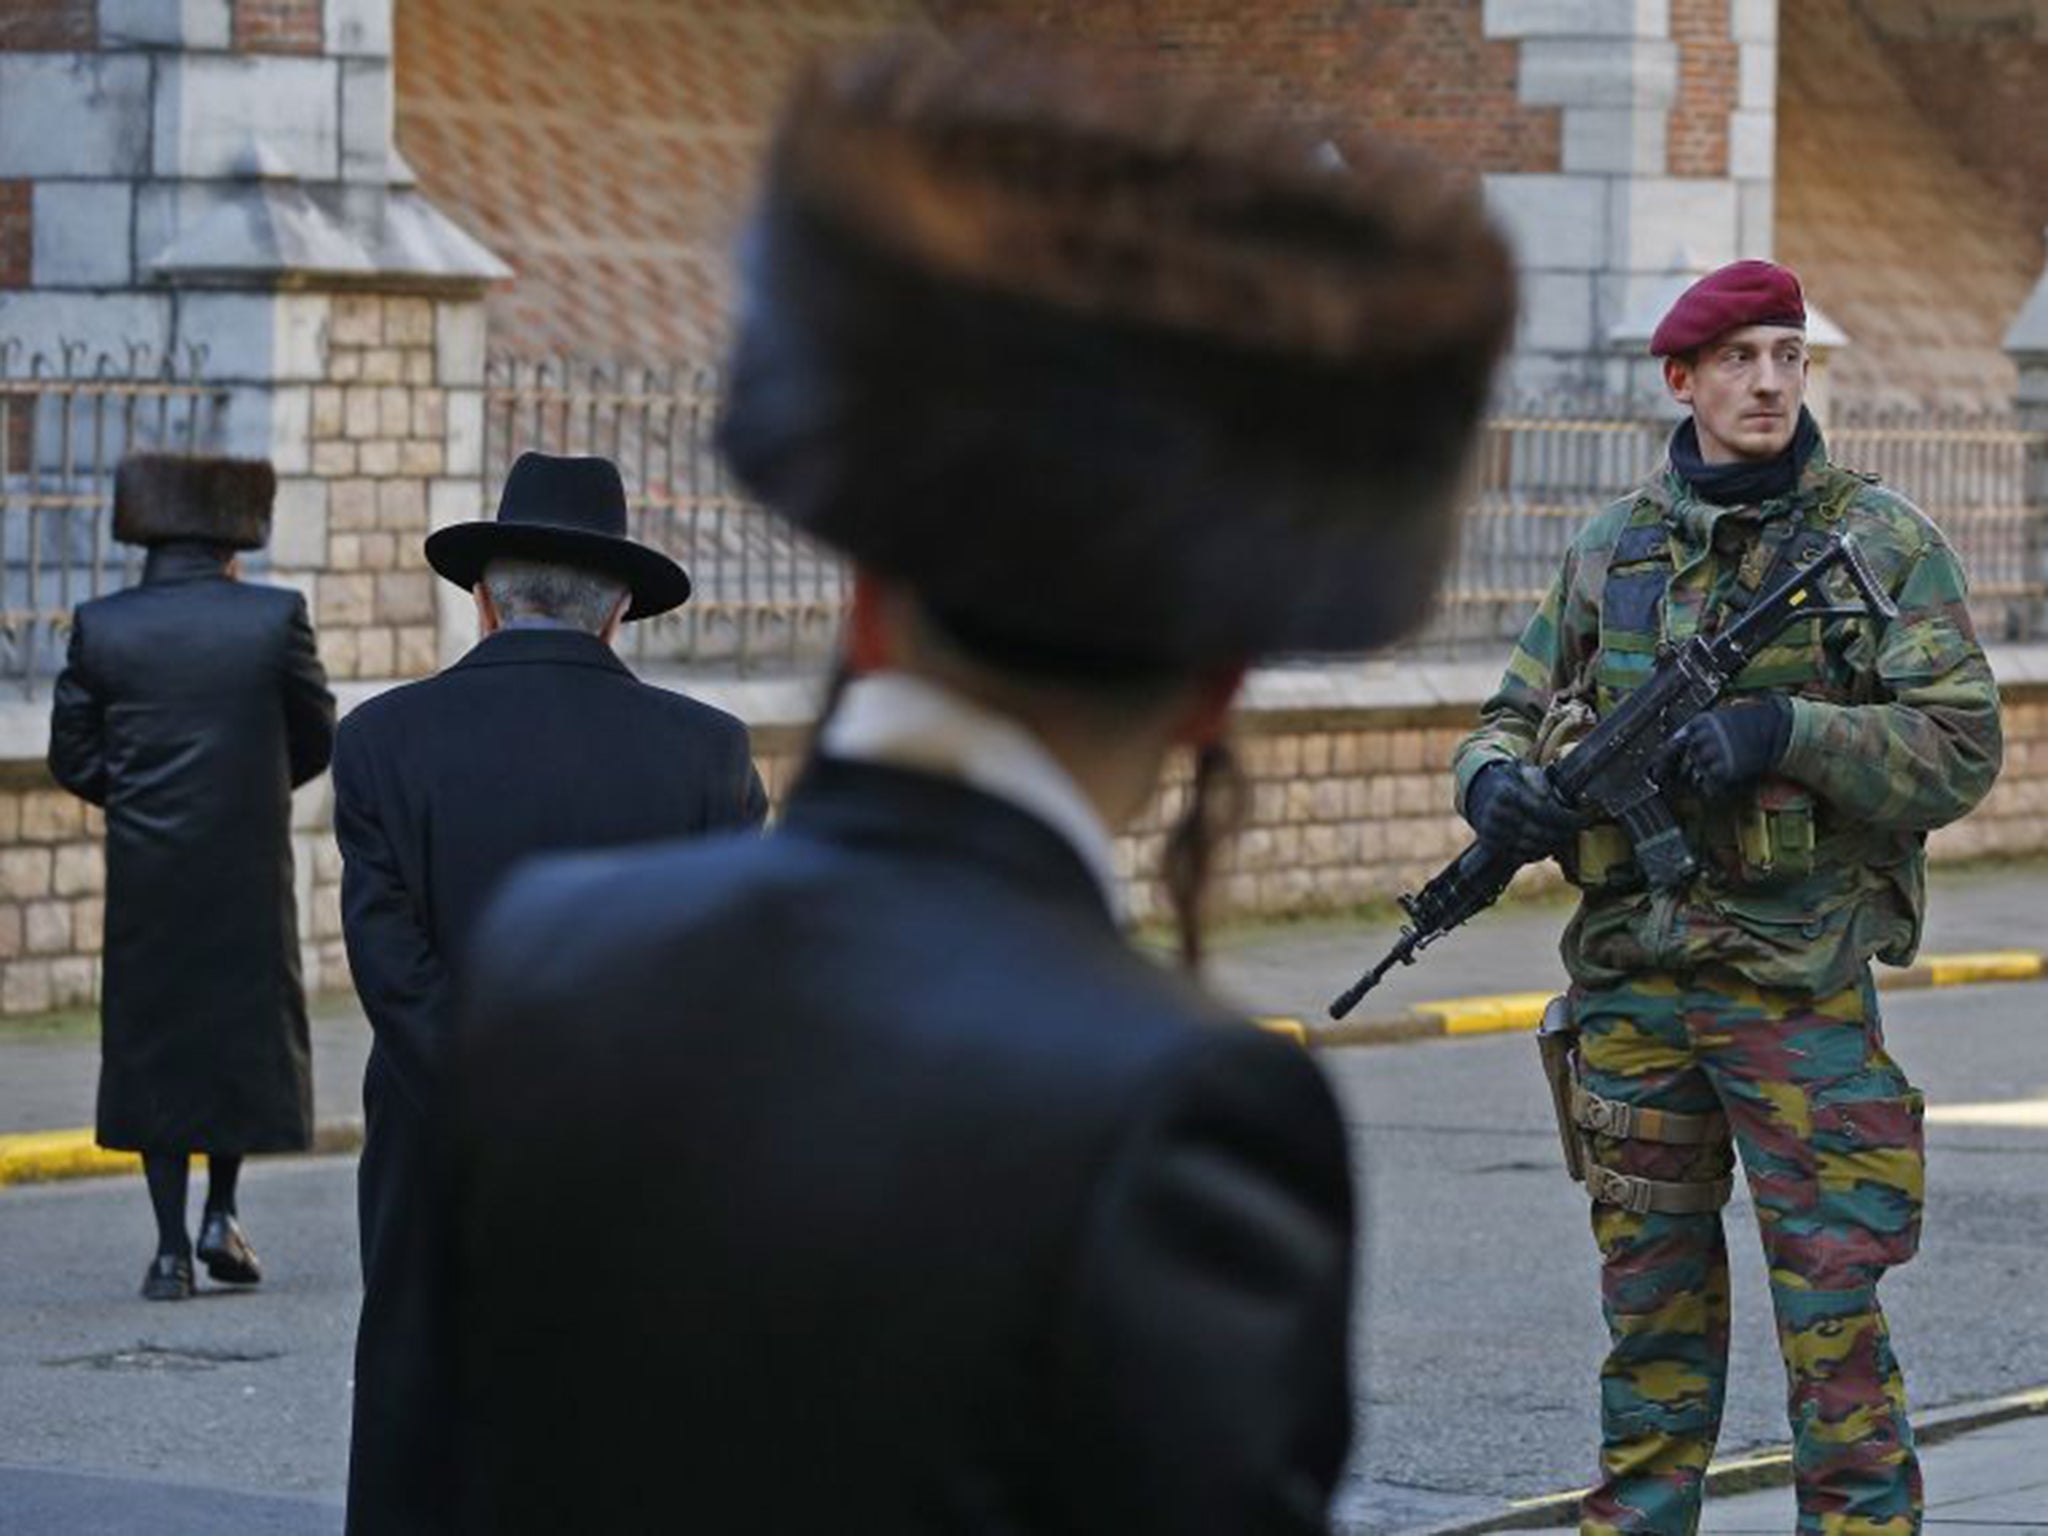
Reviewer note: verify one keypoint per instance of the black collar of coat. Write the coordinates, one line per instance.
(182, 560)
(559, 647)
(925, 814)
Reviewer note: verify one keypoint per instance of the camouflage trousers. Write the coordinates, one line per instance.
(1829, 1133)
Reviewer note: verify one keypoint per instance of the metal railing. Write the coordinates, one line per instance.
(1980, 476)
(768, 599)
(65, 422)
(763, 596)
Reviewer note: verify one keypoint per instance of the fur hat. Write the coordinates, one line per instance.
(159, 497)
(1112, 374)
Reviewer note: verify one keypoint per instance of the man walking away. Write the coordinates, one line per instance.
(190, 707)
(907, 1196)
(540, 739)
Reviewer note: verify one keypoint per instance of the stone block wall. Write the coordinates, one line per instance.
(1343, 808)
(53, 893)
(1667, 165)
(394, 432)
(52, 883)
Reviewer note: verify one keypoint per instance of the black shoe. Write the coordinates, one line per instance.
(168, 1278)
(225, 1252)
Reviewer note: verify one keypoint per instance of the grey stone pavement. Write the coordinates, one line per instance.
(1993, 1479)
(1989, 1478)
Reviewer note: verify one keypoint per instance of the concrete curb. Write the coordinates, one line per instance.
(1524, 1010)
(35, 1157)
(1763, 1469)
(39, 1157)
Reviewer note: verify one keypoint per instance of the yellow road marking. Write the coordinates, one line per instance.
(28, 1156)
(1984, 965)
(1485, 1015)
(1278, 1024)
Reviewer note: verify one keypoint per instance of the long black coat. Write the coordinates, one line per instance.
(190, 707)
(862, 1179)
(537, 740)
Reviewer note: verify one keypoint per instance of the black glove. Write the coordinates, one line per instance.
(1513, 808)
(1730, 745)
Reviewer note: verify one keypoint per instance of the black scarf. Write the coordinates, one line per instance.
(1745, 482)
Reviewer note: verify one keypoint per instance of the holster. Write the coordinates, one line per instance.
(1581, 1112)
(1557, 1039)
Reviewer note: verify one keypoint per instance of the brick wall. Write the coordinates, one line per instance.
(617, 189)
(1921, 258)
(17, 233)
(35, 25)
(277, 26)
(1707, 80)
(1986, 95)
(1424, 74)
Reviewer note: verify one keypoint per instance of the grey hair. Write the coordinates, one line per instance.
(538, 589)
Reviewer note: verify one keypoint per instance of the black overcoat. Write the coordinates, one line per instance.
(537, 740)
(861, 1178)
(189, 707)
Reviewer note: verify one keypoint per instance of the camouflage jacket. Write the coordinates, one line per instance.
(1895, 730)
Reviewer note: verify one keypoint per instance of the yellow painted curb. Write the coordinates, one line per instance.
(29, 1157)
(1487, 1015)
(1524, 1010)
(1986, 965)
(1293, 1029)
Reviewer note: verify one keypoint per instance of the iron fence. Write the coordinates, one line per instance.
(762, 594)
(65, 422)
(767, 598)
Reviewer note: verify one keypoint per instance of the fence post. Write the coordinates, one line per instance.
(2026, 342)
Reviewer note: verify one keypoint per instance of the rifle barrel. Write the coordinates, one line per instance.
(1400, 954)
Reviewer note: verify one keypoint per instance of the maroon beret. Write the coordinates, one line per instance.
(1741, 293)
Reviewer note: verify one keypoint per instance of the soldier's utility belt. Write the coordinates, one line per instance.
(1583, 1114)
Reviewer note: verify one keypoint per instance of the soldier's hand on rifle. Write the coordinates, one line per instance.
(1513, 808)
(1730, 745)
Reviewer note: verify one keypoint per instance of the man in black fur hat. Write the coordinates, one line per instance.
(190, 707)
(540, 739)
(909, 1198)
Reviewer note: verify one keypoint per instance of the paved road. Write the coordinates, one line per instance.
(1480, 1328)
(168, 1416)
(1480, 1318)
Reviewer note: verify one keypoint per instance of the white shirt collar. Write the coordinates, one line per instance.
(910, 722)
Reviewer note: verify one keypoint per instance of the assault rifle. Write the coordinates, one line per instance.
(1613, 772)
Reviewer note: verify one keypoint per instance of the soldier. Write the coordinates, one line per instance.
(1740, 1005)
(903, 1195)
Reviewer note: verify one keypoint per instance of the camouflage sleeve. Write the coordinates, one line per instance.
(1928, 753)
(1541, 665)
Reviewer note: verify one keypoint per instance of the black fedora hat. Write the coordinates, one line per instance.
(571, 511)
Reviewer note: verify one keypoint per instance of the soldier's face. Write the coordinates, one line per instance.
(1745, 388)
